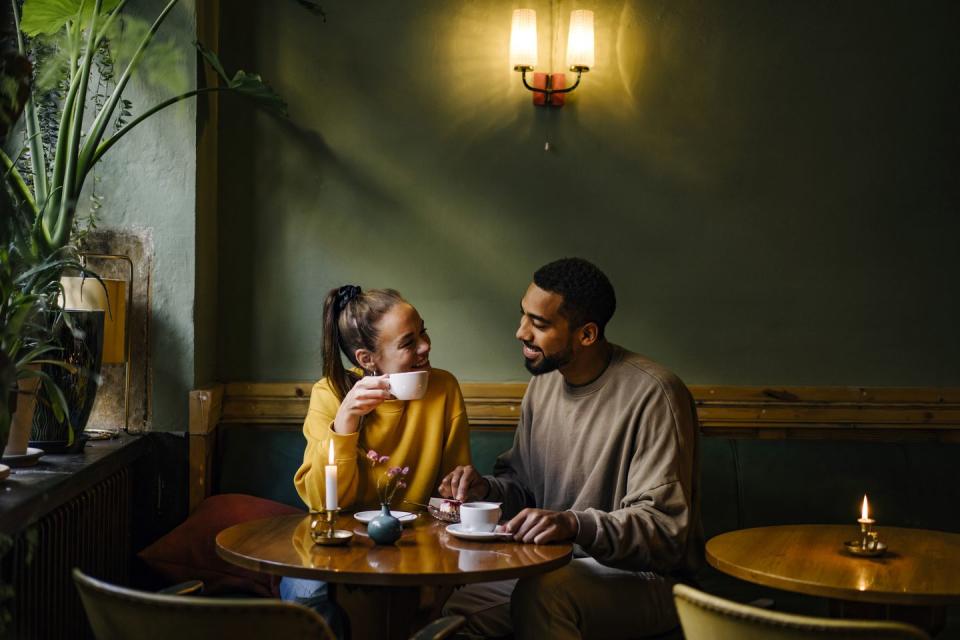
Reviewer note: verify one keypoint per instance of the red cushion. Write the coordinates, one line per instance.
(189, 551)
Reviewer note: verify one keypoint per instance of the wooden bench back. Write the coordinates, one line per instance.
(880, 414)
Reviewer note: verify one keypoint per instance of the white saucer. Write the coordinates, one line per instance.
(24, 459)
(4, 471)
(403, 516)
(458, 531)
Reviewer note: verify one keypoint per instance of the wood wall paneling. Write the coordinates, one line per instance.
(763, 412)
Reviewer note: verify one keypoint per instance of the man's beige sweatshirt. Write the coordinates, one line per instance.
(622, 454)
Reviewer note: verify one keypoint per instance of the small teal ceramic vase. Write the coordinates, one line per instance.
(384, 529)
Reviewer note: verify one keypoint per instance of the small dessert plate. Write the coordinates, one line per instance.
(403, 516)
(854, 548)
(458, 531)
(24, 459)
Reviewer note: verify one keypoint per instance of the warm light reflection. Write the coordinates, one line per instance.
(523, 39)
(580, 40)
(864, 510)
(330, 458)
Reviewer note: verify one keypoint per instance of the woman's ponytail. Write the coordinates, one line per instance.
(333, 369)
(350, 318)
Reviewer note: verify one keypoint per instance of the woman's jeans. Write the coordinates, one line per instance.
(315, 595)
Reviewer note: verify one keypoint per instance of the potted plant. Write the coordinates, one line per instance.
(70, 37)
(19, 306)
(29, 323)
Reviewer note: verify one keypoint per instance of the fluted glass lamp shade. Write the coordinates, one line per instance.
(105, 295)
(523, 39)
(580, 42)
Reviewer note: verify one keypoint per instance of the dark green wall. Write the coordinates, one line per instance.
(771, 186)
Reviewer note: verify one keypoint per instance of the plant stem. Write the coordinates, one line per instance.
(102, 149)
(71, 190)
(13, 176)
(99, 125)
(37, 159)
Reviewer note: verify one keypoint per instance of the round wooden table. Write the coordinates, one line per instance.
(913, 581)
(390, 576)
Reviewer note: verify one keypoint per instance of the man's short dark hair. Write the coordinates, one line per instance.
(587, 293)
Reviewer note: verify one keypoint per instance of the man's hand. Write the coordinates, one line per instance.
(539, 526)
(463, 484)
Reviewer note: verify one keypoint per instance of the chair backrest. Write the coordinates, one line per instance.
(115, 612)
(705, 616)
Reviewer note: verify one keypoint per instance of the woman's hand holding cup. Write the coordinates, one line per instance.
(365, 396)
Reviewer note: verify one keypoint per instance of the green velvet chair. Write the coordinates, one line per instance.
(117, 613)
(707, 617)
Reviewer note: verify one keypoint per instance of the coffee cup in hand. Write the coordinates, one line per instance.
(410, 385)
(480, 517)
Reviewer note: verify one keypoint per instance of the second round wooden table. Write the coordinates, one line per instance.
(914, 581)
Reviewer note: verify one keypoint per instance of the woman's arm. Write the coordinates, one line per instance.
(318, 430)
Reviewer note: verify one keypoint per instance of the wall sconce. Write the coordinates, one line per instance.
(548, 89)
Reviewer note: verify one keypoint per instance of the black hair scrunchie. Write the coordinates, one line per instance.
(345, 294)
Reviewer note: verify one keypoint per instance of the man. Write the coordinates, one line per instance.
(605, 456)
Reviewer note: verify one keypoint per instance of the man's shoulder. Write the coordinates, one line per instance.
(642, 372)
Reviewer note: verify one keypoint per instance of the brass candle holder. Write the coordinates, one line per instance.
(867, 534)
(323, 529)
(869, 543)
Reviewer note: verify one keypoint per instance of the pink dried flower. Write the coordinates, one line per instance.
(390, 480)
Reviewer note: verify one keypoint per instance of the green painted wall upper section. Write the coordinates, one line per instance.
(148, 180)
(771, 186)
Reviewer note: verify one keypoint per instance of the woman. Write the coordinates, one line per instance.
(379, 333)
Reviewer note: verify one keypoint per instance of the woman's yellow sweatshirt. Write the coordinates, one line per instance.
(430, 435)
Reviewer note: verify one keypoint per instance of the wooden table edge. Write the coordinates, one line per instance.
(389, 579)
(826, 591)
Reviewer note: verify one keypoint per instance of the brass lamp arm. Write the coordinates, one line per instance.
(523, 76)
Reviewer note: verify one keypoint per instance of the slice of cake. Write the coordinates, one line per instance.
(450, 508)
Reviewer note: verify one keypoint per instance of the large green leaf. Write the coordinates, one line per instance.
(250, 85)
(253, 86)
(49, 16)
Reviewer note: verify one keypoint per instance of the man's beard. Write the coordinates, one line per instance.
(548, 363)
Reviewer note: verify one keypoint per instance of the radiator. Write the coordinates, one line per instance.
(91, 531)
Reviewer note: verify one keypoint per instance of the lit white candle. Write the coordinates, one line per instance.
(865, 512)
(331, 481)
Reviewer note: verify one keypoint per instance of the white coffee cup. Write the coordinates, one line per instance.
(480, 516)
(410, 385)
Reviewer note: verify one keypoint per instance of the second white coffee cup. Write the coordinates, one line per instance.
(480, 516)
(410, 385)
